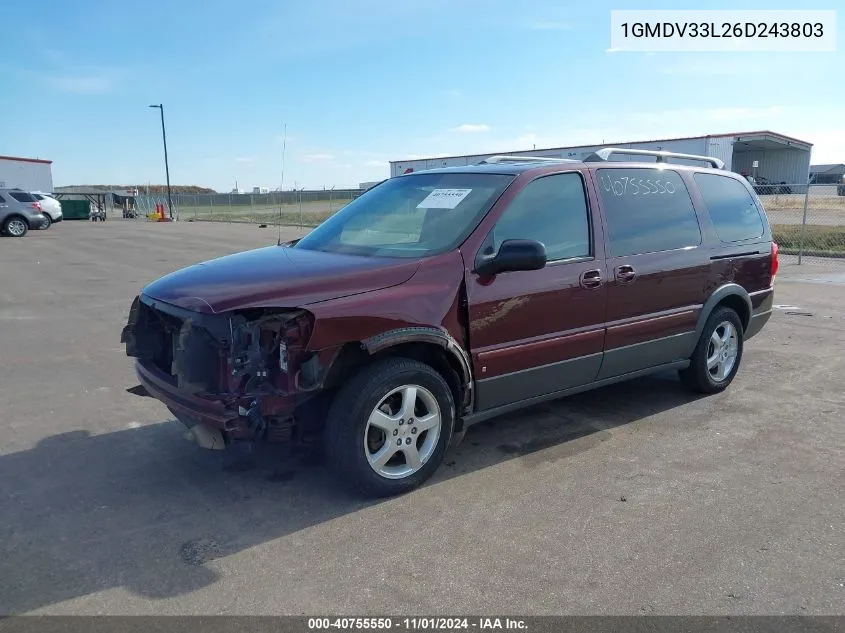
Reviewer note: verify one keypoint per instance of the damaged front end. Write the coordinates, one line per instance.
(241, 375)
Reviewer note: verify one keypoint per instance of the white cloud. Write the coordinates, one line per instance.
(317, 158)
(471, 128)
(79, 84)
(828, 144)
(612, 50)
(375, 163)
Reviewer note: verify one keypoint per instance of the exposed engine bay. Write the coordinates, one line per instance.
(255, 362)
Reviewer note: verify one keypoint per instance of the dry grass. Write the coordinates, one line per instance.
(796, 201)
(825, 241)
(308, 214)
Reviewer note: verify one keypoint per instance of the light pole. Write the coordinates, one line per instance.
(166, 166)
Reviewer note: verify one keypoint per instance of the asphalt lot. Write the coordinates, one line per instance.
(636, 499)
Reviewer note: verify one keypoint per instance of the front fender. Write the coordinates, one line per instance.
(430, 335)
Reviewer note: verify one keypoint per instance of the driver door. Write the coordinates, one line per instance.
(534, 333)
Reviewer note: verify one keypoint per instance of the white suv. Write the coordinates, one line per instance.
(51, 207)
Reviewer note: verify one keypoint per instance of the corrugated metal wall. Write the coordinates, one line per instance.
(26, 175)
(685, 146)
(721, 147)
(778, 165)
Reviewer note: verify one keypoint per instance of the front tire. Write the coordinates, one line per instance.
(389, 427)
(716, 359)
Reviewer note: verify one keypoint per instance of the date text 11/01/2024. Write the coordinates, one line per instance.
(725, 29)
(417, 624)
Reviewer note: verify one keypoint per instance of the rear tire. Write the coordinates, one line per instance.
(48, 224)
(717, 356)
(389, 427)
(15, 226)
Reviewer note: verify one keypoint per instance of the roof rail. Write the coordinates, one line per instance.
(502, 158)
(605, 154)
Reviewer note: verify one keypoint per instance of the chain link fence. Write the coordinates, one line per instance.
(808, 221)
(288, 208)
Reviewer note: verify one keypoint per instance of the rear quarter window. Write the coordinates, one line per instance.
(22, 196)
(647, 211)
(732, 210)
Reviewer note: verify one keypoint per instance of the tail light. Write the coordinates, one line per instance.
(775, 262)
(37, 206)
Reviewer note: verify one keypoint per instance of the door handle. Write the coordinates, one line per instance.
(625, 273)
(591, 279)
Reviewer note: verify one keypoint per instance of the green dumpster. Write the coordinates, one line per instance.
(75, 209)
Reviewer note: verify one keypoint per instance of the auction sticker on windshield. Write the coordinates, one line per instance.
(444, 199)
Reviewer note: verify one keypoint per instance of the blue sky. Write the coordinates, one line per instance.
(360, 83)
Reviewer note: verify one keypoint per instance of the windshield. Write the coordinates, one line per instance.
(409, 216)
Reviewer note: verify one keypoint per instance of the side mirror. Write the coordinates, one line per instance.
(513, 255)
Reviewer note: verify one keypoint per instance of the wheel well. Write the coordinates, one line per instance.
(11, 216)
(435, 357)
(352, 358)
(736, 303)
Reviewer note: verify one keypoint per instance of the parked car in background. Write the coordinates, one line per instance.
(51, 207)
(442, 298)
(19, 212)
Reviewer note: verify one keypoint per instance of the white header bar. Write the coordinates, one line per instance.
(722, 30)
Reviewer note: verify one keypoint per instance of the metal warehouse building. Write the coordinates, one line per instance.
(827, 174)
(779, 158)
(29, 174)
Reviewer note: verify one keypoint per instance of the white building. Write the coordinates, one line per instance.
(29, 174)
(779, 158)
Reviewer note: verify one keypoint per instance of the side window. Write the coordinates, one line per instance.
(648, 210)
(732, 209)
(552, 210)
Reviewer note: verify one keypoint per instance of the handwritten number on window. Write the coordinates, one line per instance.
(625, 186)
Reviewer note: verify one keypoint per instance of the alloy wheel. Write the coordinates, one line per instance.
(402, 432)
(16, 227)
(722, 351)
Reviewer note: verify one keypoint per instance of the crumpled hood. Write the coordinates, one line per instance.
(276, 276)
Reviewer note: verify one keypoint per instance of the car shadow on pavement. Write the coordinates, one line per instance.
(144, 510)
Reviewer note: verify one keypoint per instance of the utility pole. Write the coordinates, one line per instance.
(166, 166)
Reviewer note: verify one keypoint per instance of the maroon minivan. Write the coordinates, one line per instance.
(442, 298)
